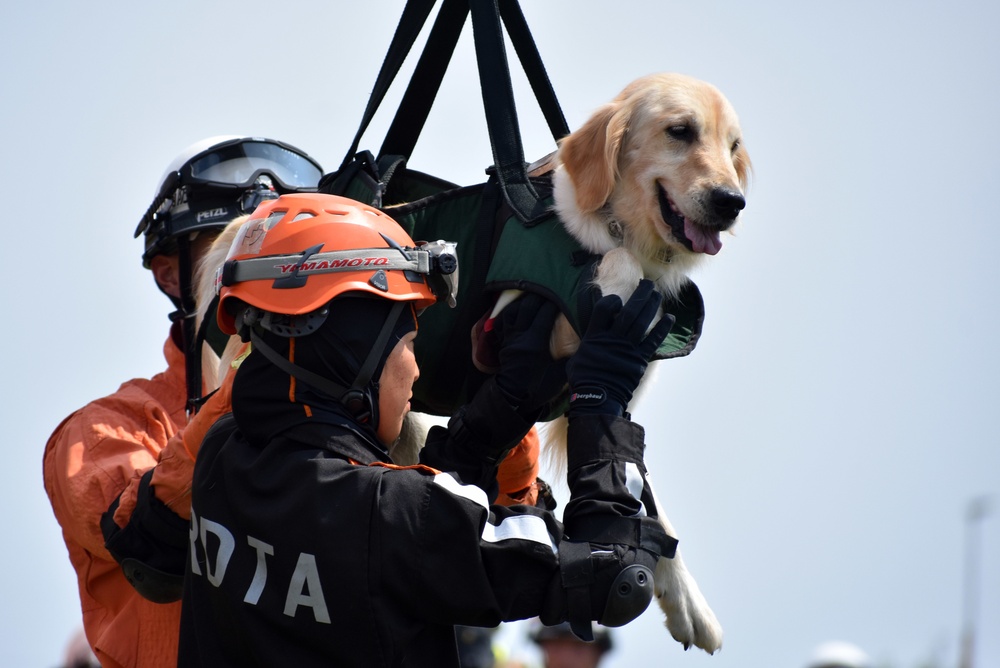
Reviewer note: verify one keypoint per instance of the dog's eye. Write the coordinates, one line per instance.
(682, 132)
(736, 146)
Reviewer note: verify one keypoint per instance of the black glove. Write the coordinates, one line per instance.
(615, 351)
(528, 375)
(612, 537)
(505, 407)
(152, 548)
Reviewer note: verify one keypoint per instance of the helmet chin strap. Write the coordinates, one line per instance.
(361, 405)
(187, 313)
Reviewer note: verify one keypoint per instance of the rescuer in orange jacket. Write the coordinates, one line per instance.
(101, 459)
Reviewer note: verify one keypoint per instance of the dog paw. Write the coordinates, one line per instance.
(690, 620)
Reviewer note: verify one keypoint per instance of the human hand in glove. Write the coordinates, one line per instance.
(615, 350)
(528, 377)
(506, 406)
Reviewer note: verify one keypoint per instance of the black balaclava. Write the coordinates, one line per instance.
(265, 400)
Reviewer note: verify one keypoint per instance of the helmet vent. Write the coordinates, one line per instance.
(273, 219)
(305, 215)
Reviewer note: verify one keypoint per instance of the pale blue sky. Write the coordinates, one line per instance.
(817, 451)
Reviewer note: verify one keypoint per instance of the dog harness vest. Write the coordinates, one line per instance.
(545, 258)
(496, 251)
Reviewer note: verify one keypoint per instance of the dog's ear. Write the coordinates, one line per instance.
(590, 155)
(744, 168)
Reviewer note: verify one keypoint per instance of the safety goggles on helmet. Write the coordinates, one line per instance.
(218, 179)
(297, 253)
(238, 162)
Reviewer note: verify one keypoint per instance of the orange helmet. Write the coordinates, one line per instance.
(298, 252)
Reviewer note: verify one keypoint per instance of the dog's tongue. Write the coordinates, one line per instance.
(702, 240)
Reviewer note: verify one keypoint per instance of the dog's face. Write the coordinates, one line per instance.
(666, 160)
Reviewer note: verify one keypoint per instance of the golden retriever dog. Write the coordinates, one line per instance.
(649, 182)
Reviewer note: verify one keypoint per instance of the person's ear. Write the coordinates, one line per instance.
(166, 273)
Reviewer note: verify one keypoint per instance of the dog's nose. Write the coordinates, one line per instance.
(727, 203)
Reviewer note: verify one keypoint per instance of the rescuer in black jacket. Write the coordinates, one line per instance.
(310, 548)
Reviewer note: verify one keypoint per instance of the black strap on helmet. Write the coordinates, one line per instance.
(355, 398)
(187, 312)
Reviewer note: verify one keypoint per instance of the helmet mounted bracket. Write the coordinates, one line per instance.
(294, 280)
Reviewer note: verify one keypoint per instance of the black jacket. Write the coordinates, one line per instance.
(311, 552)
(309, 548)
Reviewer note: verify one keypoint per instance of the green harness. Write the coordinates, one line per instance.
(496, 249)
(496, 252)
(545, 258)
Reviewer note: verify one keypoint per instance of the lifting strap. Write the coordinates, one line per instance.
(488, 17)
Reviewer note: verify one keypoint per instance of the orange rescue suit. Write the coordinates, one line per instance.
(96, 454)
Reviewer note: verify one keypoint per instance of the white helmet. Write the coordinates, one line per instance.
(217, 179)
(209, 184)
(838, 654)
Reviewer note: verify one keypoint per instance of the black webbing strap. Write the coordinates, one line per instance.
(531, 63)
(206, 322)
(415, 106)
(501, 114)
(187, 310)
(414, 15)
(495, 82)
(319, 382)
(429, 73)
(638, 532)
(333, 389)
(202, 337)
(576, 570)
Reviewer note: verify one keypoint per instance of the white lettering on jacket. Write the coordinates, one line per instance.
(226, 546)
(193, 537)
(259, 575)
(306, 576)
(304, 585)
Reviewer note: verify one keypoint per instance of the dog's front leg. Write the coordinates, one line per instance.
(689, 618)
